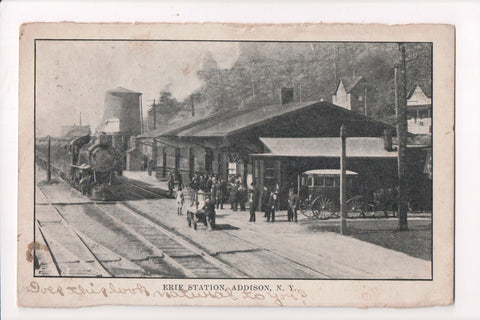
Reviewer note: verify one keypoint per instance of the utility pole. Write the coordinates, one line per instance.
(141, 114)
(253, 91)
(300, 91)
(49, 170)
(343, 180)
(401, 115)
(335, 58)
(154, 115)
(220, 92)
(193, 105)
(365, 99)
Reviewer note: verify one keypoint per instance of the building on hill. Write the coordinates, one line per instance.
(419, 111)
(351, 93)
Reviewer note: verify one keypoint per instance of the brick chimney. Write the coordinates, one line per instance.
(286, 95)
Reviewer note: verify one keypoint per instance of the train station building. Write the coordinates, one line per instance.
(274, 144)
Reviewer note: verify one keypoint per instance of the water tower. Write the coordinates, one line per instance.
(122, 112)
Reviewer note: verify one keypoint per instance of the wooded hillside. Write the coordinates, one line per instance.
(312, 69)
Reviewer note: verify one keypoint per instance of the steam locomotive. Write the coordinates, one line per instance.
(88, 163)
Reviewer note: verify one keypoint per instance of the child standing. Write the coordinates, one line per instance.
(180, 200)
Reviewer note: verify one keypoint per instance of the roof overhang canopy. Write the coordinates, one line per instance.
(356, 147)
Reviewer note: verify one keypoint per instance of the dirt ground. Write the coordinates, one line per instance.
(416, 241)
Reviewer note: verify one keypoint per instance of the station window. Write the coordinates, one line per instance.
(270, 179)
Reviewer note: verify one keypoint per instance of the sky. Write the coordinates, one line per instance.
(73, 76)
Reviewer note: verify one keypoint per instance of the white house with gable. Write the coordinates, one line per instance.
(419, 111)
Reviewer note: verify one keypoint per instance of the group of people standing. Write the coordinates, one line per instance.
(234, 191)
(213, 185)
(271, 203)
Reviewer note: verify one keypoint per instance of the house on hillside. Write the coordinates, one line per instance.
(351, 93)
(419, 111)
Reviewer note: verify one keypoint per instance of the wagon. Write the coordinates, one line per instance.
(320, 194)
(204, 213)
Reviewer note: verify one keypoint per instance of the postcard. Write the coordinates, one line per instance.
(236, 165)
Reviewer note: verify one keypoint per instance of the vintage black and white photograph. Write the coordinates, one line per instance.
(233, 159)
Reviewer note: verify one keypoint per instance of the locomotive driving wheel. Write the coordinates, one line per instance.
(322, 208)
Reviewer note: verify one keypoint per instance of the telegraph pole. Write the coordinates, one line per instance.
(343, 180)
(401, 115)
(253, 91)
(193, 105)
(300, 89)
(49, 170)
(154, 115)
(365, 100)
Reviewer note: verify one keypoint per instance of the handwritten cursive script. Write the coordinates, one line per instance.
(109, 290)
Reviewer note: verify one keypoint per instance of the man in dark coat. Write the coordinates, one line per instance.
(214, 191)
(252, 197)
(171, 183)
(272, 200)
(292, 206)
(194, 186)
(234, 196)
(221, 190)
(265, 200)
(208, 185)
(179, 179)
(242, 196)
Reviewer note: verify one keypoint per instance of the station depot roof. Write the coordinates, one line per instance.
(234, 121)
(356, 147)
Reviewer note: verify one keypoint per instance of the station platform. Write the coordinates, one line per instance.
(143, 176)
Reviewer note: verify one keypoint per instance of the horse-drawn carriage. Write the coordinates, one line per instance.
(320, 194)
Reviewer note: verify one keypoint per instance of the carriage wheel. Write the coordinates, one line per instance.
(304, 209)
(355, 208)
(322, 208)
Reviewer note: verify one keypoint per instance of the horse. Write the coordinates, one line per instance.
(385, 199)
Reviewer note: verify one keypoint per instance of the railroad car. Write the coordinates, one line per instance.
(88, 163)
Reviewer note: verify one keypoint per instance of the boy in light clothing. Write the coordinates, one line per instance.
(180, 200)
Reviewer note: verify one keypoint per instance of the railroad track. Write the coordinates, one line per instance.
(69, 251)
(118, 239)
(147, 249)
(143, 190)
